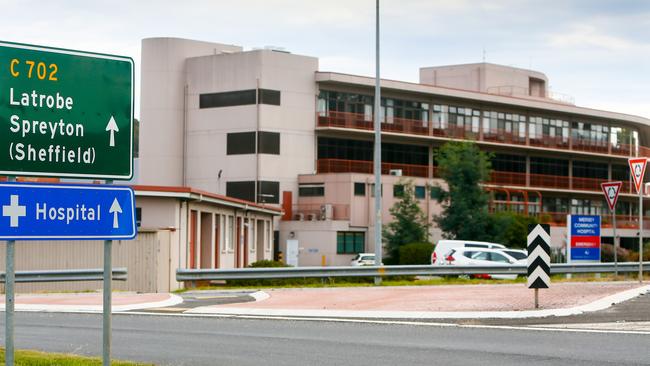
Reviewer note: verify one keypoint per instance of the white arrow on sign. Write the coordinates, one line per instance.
(115, 209)
(112, 126)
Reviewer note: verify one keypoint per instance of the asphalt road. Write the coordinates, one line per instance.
(167, 340)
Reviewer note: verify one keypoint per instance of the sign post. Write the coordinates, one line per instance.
(611, 191)
(539, 258)
(68, 114)
(637, 168)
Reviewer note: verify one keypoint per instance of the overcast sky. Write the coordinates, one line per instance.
(598, 52)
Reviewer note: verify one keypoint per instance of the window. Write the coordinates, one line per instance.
(268, 143)
(334, 148)
(420, 192)
(268, 192)
(239, 97)
(496, 257)
(227, 99)
(359, 189)
(138, 216)
(229, 234)
(267, 96)
(398, 191)
(251, 235)
(269, 235)
(311, 190)
(509, 163)
(549, 166)
(350, 242)
(586, 169)
(221, 221)
(240, 143)
(372, 190)
(242, 190)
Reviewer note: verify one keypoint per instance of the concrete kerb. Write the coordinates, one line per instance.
(600, 304)
(77, 308)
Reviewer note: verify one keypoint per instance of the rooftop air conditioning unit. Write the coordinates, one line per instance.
(299, 216)
(326, 212)
(312, 217)
(395, 172)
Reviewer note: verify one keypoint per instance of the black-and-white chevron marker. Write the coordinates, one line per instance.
(539, 256)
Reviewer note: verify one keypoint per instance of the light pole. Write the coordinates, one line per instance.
(377, 160)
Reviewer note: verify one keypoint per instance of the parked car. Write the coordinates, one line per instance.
(517, 254)
(444, 246)
(363, 259)
(483, 257)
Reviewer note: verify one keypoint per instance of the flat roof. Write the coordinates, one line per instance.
(190, 193)
(541, 104)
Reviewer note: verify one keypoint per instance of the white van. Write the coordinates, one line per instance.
(444, 246)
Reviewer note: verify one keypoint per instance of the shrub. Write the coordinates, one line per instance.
(634, 255)
(607, 253)
(271, 282)
(415, 253)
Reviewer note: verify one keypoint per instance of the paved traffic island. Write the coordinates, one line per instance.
(454, 301)
(91, 302)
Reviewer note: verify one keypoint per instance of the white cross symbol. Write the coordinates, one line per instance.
(14, 211)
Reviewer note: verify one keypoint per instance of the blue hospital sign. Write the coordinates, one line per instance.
(61, 211)
(584, 238)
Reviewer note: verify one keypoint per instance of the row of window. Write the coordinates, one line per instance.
(318, 190)
(238, 143)
(267, 191)
(475, 121)
(560, 167)
(334, 148)
(344, 149)
(363, 104)
(239, 97)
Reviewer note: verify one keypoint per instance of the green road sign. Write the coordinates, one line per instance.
(65, 113)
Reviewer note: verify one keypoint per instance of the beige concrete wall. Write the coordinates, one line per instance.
(146, 260)
(207, 245)
(316, 239)
(294, 119)
(162, 105)
(485, 78)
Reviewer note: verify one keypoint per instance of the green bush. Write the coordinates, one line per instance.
(267, 263)
(607, 253)
(271, 282)
(634, 255)
(415, 253)
(510, 229)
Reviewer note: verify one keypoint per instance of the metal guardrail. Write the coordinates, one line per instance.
(119, 274)
(374, 271)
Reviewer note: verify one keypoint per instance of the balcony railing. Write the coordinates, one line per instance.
(366, 167)
(496, 178)
(622, 221)
(424, 128)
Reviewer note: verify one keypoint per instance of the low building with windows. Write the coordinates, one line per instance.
(268, 126)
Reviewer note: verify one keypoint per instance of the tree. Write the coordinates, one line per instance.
(464, 168)
(409, 225)
(510, 229)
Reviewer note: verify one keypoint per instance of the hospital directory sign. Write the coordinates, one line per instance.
(32, 211)
(583, 238)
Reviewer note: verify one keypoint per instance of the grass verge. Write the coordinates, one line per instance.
(37, 358)
(433, 281)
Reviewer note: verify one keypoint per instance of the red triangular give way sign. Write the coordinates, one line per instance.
(611, 190)
(637, 170)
